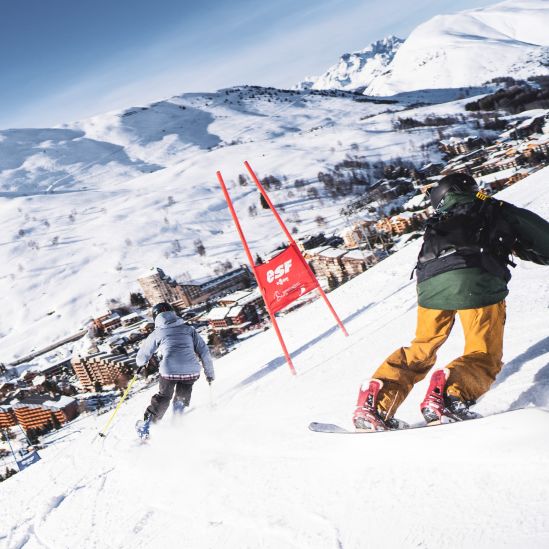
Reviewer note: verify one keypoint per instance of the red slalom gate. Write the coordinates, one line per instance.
(285, 277)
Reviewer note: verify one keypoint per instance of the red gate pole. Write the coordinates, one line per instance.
(292, 241)
(252, 264)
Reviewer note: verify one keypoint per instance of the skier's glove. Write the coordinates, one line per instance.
(209, 379)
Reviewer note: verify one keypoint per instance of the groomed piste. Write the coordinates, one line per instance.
(246, 473)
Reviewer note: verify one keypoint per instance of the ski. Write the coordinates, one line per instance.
(142, 427)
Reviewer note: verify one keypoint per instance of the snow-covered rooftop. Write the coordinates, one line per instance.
(358, 254)
(332, 253)
(218, 313)
(60, 402)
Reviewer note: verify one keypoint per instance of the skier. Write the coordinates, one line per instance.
(178, 347)
(463, 269)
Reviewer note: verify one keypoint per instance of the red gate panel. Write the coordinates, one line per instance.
(285, 278)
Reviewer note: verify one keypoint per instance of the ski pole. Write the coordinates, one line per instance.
(211, 395)
(103, 433)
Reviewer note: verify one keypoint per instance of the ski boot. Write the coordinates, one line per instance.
(142, 427)
(438, 407)
(367, 417)
(178, 407)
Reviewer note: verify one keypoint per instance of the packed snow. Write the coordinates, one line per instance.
(241, 470)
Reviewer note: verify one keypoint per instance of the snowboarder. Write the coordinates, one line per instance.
(179, 348)
(463, 269)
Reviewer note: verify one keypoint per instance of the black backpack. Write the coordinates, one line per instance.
(470, 235)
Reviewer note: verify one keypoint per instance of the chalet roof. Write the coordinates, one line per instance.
(403, 215)
(38, 380)
(242, 297)
(131, 316)
(153, 271)
(44, 367)
(457, 140)
(358, 255)
(235, 311)
(59, 403)
(416, 201)
(529, 121)
(497, 176)
(539, 140)
(212, 282)
(332, 253)
(32, 400)
(315, 251)
(218, 313)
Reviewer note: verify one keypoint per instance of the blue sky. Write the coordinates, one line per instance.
(62, 60)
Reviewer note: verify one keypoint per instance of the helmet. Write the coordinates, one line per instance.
(457, 182)
(161, 307)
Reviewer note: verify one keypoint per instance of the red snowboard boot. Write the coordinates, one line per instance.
(367, 417)
(438, 407)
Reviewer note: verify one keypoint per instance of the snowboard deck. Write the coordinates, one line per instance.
(332, 428)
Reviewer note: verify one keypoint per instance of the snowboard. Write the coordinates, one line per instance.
(332, 428)
(319, 427)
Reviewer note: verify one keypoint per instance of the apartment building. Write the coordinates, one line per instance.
(102, 368)
(39, 411)
(157, 287)
(7, 416)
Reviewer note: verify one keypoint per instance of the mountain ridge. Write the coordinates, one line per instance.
(467, 48)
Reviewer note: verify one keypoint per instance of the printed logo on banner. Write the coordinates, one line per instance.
(28, 460)
(285, 278)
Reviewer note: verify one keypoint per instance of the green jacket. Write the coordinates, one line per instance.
(471, 288)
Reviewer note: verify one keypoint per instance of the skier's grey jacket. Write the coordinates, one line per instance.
(177, 346)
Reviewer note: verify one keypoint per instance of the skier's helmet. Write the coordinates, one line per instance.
(161, 307)
(457, 182)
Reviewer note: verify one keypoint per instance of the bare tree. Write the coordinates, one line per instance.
(199, 247)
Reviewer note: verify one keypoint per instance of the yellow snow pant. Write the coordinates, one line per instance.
(470, 375)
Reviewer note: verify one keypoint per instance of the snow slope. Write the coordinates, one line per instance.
(246, 473)
(88, 207)
(470, 48)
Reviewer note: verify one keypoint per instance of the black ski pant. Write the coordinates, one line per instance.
(161, 400)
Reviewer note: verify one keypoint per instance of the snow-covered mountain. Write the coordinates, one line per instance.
(464, 49)
(87, 207)
(357, 70)
(470, 48)
(245, 472)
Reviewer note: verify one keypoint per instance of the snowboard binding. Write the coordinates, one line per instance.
(438, 407)
(367, 417)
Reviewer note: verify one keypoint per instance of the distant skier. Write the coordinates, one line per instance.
(179, 348)
(463, 269)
